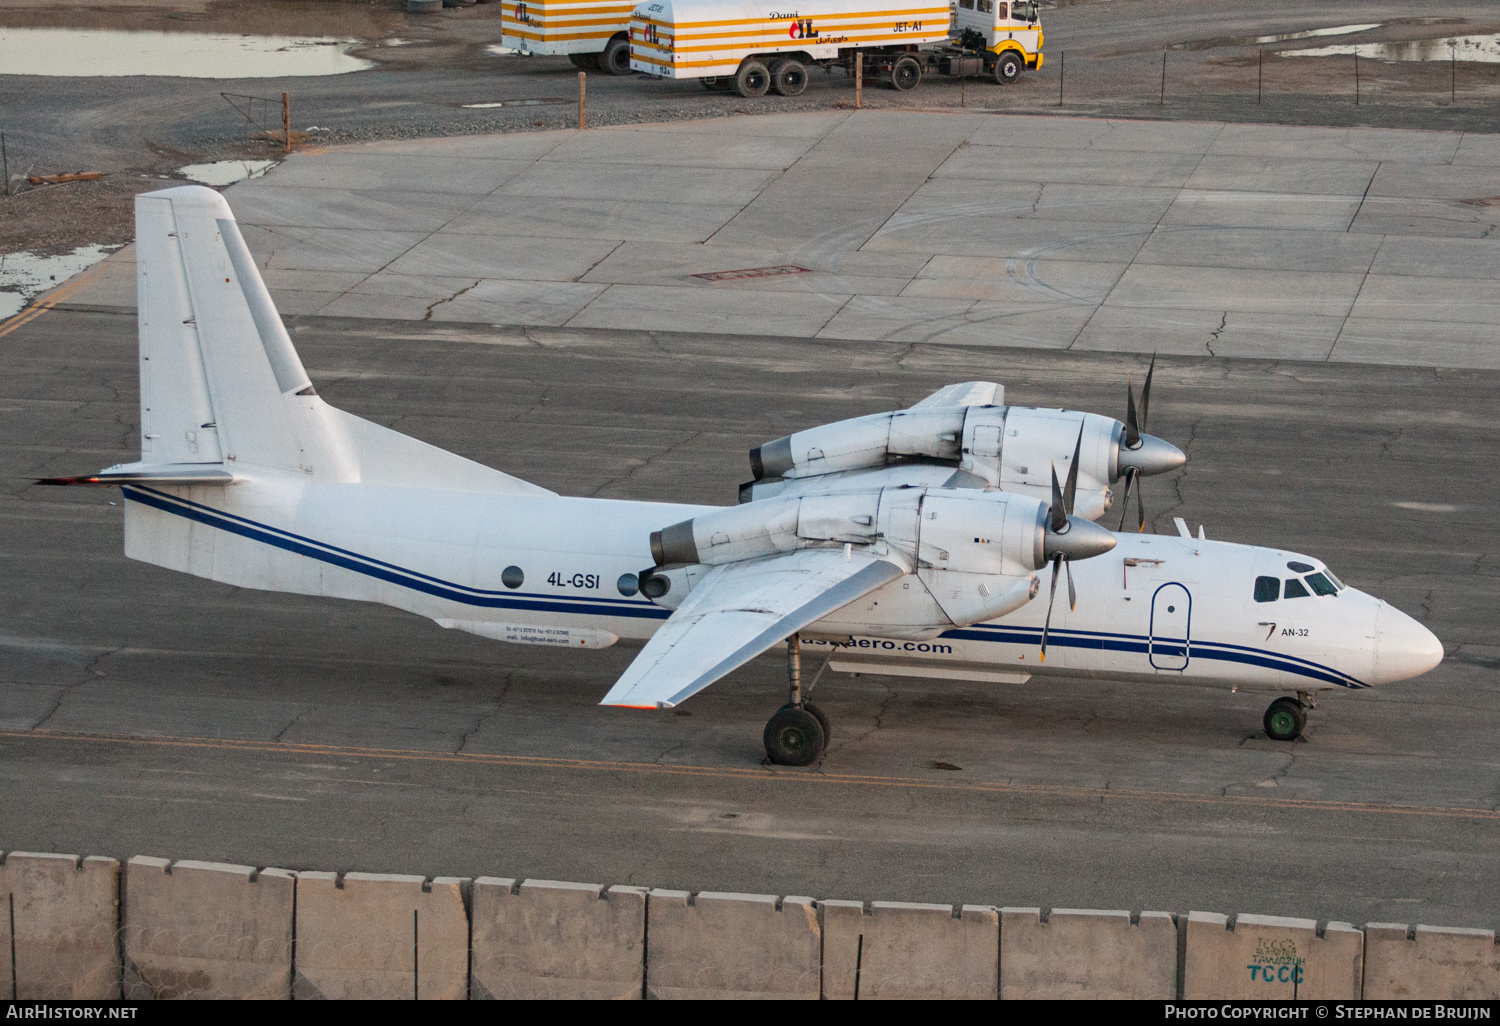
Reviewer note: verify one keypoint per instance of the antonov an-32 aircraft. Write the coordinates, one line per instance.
(900, 543)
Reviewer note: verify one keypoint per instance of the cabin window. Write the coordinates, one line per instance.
(1024, 10)
(1294, 589)
(1321, 585)
(986, 6)
(1267, 589)
(967, 5)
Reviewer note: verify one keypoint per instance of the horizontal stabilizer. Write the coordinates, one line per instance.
(157, 474)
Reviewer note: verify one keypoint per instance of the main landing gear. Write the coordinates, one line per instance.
(798, 733)
(1286, 718)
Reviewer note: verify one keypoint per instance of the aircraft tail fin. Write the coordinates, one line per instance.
(221, 382)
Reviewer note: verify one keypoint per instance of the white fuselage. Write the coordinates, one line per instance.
(1156, 607)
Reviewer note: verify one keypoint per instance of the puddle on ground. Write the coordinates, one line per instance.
(105, 52)
(539, 102)
(1464, 48)
(226, 172)
(1279, 37)
(24, 276)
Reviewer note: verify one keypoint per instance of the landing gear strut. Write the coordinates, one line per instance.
(798, 733)
(1286, 718)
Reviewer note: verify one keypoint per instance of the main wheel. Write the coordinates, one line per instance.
(1008, 67)
(794, 737)
(752, 80)
(1284, 720)
(616, 56)
(822, 722)
(586, 61)
(788, 78)
(906, 74)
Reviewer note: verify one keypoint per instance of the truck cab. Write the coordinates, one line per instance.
(1001, 25)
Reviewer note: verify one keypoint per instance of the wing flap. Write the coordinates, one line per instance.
(737, 612)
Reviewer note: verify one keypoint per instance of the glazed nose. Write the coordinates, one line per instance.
(1403, 647)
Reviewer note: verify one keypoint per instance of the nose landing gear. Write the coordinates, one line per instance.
(1286, 717)
(798, 733)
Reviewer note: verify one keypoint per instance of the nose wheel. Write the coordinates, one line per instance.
(1286, 717)
(797, 735)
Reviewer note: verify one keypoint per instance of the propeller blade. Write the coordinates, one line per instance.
(1047, 623)
(1125, 499)
(1132, 427)
(1140, 509)
(1059, 512)
(1072, 592)
(1071, 495)
(1146, 392)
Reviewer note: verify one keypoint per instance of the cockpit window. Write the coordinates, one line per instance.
(1267, 589)
(1301, 568)
(1321, 584)
(1294, 589)
(1336, 582)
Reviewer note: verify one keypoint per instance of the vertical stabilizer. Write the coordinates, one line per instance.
(212, 345)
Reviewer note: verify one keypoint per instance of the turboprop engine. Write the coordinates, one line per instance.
(1013, 448)
(975, 553)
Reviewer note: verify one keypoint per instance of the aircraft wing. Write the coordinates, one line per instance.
(968, 393)
(737, 612)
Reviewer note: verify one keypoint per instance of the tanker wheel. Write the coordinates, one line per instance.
(752, 81)
(1008, 67)
(616, 56)
(906, 74)
(788, 78)
(586, 61)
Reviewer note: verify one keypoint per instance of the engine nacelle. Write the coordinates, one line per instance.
(861, 443)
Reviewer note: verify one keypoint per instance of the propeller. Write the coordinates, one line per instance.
(1144, 450)
(1069, 538)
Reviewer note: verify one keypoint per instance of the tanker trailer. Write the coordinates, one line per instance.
(752, 46)
(593, 35)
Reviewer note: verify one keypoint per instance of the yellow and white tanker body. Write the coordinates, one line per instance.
(755, 46)
(593, 34)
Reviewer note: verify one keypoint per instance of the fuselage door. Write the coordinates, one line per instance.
(1171, 624)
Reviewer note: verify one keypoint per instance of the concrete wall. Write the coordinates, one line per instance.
(1086, 953)
(213, 930)
(1436, 963)
(719, 945)
(1271, 958)
(546, 939)
(381, 935)
(66, 912)
(206, 930)
(897, 949)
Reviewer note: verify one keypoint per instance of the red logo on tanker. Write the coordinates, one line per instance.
(803, 29)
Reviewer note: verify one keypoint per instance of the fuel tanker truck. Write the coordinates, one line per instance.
(759, 46)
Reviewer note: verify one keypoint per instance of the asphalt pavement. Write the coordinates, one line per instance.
(144, 712)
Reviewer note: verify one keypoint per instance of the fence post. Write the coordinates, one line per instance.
(5, 160)
(582, 89)
(1062, 73)
(1452, 76)
(859, 78)
(1356, 78)
(1163, 101)
(286, 119)
(1260, 74)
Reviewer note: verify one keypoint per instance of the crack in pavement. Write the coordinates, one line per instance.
(432, 306)
(646, 463)
(1213, 336)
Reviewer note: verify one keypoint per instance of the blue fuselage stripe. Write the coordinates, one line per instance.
(426, 584)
